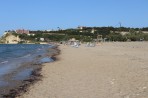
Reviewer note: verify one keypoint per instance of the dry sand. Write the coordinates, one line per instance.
(110, 70)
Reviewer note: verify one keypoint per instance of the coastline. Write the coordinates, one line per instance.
(109, 70)
(35, 76)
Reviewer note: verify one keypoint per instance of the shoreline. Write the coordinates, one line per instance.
(35, 76)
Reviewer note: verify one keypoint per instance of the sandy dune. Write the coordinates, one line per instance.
(110, 70)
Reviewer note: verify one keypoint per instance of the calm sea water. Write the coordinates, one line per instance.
(13, 56)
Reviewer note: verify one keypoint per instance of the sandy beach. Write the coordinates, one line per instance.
(109, 70)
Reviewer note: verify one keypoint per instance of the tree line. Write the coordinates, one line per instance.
(86, 34)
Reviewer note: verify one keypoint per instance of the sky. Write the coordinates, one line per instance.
(50, 14)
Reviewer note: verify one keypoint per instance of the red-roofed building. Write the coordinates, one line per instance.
(22, 31)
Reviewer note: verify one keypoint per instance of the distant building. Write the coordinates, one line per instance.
(22, 31)
(80, 27)
(42, 39)
(31, 34)
(93, 31)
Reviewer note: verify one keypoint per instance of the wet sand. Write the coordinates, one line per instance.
(109, 70)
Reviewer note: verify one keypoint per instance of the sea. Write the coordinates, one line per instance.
(16, 61)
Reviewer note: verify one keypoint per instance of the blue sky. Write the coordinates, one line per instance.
(50, 14)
